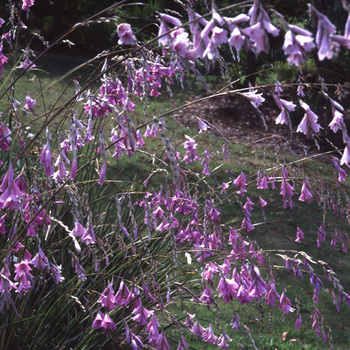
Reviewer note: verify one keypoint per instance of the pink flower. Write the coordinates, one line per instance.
(5, 139)
(11, 196)
(236, 39)
(26, 4)
(240, 182)
(341, 173)
(309, 123)
(255, 99)
(337, 122)
(107, 298)
(104, 321)
(162, 342)
(223, 341)
(257, 36)
(305, 193)
(40, 260)
(141, 314)
(208, 335)
(23, 275)
(285, 304)
(345, 159)
(125, 34)
(191, 150)
(29, 103)
(45, 159)
(152, 329)
(89, 236)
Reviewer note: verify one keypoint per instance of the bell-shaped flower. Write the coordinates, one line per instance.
(236, 39)
(29, 103)
(337, 122)
(300, 235)
(141, 314)
(309, 123)
(208, 335)
(285, 304)
(125, 34)
(11, 196)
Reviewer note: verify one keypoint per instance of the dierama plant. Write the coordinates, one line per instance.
(91, 261)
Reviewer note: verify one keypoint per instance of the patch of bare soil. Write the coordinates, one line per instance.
(238, 121)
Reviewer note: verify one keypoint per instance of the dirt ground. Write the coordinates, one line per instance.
(237, 120)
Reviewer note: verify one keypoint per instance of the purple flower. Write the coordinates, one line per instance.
(287, 193)
(305, 193)
(26, 4)
(300, 235)
(78, 229)
(197, 330)
(345, 159)
(141, 314)
(3, 58)
(309, 122)
(286, 107)
(89, 236)
(223, 341)
(182, 343)
(11, 196)
(56, 273)
(191, 150)
(285, 304)
(40, 260)
(325, 30)
(257, 36)
(45, 159)
(337, 122)
(297, 41)
(162, 342)
(5, 139)
(125, 34)
(102, 173)
(255, 99)
(107, 298)
(236, 39)
(23, 275)
(152, 329)
(240, 182)
(298, 322)
(29, 103)
(27, 64)
(208, 335)
(341, 173)
(104, 321)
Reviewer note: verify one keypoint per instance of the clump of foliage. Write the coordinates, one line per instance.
(98, 253)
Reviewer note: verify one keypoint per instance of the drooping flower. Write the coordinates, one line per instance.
(107, 298)
(45, 159)
(305, 193)
(341, 173)
(300, 235)
(285, 304)
(141, 314)
(208, 335)
(240, 182)
(162, 342)
(26, 4)
(191, 150)
(29, 103)
(11, 196)
(309, 124)
(104, 321)
(125, 34)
